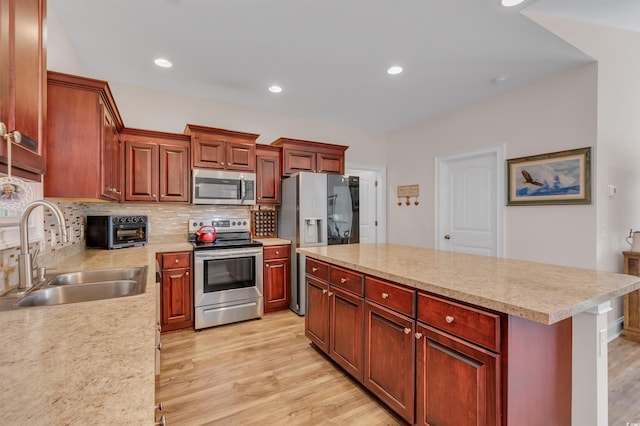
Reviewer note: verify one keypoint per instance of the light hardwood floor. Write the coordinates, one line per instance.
(264, 372)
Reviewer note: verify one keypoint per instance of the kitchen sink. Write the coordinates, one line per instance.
(83, 286)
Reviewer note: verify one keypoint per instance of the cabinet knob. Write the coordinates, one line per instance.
(177, 261)
(228, 164)
(187, 273)
(154, 195)
(314, 269)
(324, 291)
(277, 252)
(162, 422)
(161, 195)
(343, 280)
(449, 319)
(330, 294)
(159, 407)
(407, 330)
(159, 347)
(385, 295)
(418, 336)
(266, 264)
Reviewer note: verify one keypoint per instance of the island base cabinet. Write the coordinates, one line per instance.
(389, 360)
(457, 382)
(347, 331)
(317, 317)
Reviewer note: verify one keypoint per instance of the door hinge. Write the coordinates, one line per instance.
(376, 223)
(375, 183)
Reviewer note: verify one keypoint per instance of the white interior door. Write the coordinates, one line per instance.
(371, 215)
(469, 202)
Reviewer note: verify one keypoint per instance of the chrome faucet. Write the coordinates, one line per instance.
(25, 270)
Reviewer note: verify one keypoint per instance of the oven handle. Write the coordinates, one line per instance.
(226, 253)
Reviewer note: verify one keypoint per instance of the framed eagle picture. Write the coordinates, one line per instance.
(562, 177)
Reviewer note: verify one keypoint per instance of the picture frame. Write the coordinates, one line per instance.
(562, 177)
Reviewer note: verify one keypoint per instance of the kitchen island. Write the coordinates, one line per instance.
(538, 330)
(84, 363)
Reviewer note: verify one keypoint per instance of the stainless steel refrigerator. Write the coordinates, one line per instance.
(316, 209)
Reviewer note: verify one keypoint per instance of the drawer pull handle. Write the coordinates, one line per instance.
(343, 280)
(324, 291)
(449, 319)
(385, 295)
(314, 269)
(418, 336)
(407, 330)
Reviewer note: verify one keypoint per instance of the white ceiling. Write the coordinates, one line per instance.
(330, 56)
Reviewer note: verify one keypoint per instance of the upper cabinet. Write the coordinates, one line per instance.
(222, 149)
(306, 156)
(268, 174)
(83, 136)
(156, 166)
(23, 84)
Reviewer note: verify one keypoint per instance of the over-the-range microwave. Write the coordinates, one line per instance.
(223, 187)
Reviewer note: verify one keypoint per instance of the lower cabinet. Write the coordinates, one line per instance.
(346, 337)
(276, 273)
(390, 358)
(457, 382)
(176, 294)
(317, 324)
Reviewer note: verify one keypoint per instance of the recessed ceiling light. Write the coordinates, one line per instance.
(394, 70)
(510, 3)
(164, 63)
(275, 89)
(499, 79)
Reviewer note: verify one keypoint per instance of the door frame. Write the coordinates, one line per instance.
(439, 168)
(381, 196)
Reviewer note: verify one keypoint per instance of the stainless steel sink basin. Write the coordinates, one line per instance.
(83, 286)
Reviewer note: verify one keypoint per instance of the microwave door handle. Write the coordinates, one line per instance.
(243, 189)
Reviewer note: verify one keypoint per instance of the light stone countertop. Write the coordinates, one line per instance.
(266, 242)
(539, 292)
(84, 363)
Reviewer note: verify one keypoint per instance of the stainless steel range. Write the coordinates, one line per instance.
(227, 272)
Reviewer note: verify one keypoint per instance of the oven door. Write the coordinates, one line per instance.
(227, 275)
(128, 234)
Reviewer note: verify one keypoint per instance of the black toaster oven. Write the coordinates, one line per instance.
(110, 232)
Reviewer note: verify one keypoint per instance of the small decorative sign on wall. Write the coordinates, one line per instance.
(556, 178)
(408, 192)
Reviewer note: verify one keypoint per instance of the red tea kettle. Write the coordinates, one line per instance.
(206, 234)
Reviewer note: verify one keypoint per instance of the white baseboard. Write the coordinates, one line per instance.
(614, 328)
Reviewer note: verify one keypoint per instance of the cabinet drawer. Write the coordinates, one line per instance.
(392, 296)
(348, 280)
(474, 325)
(276, 252)
(318, 269)
(176, 260)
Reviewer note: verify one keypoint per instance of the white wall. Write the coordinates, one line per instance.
(552, 115)
(618, 133)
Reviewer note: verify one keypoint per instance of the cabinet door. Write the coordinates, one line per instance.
(209, 152)
(347, 331)
(317, 316)
(276, 284)
(141, 166)
(177, 300)
(268, 179)
(389, 370)
(457, 381)
(23, 84)
(330, 163)
(241, 156)
(298, 161)
(174, 173)
(111, 186)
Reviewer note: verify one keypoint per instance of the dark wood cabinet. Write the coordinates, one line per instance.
(389, 361)
(156, 166)
(176, 295)
(316, 319)
(347, 331)
(457, 382)
(222, 149)
(23, 86)
(300, 155)
(276, 278)
(268, 174)
(83, 129)
(631, 328)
